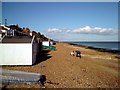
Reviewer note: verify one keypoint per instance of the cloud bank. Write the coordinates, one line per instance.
(85, 30)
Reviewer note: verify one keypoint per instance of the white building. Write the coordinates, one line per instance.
(46, 43)
(18, 50)
(0, 35)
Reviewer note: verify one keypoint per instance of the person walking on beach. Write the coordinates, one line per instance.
(78, 53)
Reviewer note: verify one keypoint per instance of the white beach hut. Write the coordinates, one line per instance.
(46, 43)
(18, 50)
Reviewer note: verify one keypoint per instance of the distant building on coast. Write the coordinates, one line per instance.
(17, 47)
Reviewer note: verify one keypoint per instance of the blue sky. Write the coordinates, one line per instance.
(66, 21)
(0, 12)
(60, 0)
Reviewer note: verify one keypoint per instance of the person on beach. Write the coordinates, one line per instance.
(78, 53)
(72, 53)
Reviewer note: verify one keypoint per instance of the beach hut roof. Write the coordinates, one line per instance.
(4, 27)
(17, 39)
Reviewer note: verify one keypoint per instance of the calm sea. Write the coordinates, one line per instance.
(105, 45)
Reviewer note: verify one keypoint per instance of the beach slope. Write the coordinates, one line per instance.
(93, 70)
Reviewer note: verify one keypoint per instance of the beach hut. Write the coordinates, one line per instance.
(46, 43)
(52, 42)
(0, 32)
(0, 35)
(18, 50)
(3, 30)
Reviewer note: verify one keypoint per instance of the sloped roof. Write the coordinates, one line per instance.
(4, 27)
(17, 39)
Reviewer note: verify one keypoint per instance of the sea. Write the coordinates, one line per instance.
(104, 45)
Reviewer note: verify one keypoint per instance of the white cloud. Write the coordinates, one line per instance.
(94, 30)
(54, 30)
(86, 30)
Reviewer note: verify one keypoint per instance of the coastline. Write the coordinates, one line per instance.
(95, 48)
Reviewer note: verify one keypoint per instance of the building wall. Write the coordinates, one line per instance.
(15, 54)
(0, 35)
(35, 50)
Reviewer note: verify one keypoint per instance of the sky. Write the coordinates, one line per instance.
(66, 21)
(0, 12)
(60, 0)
